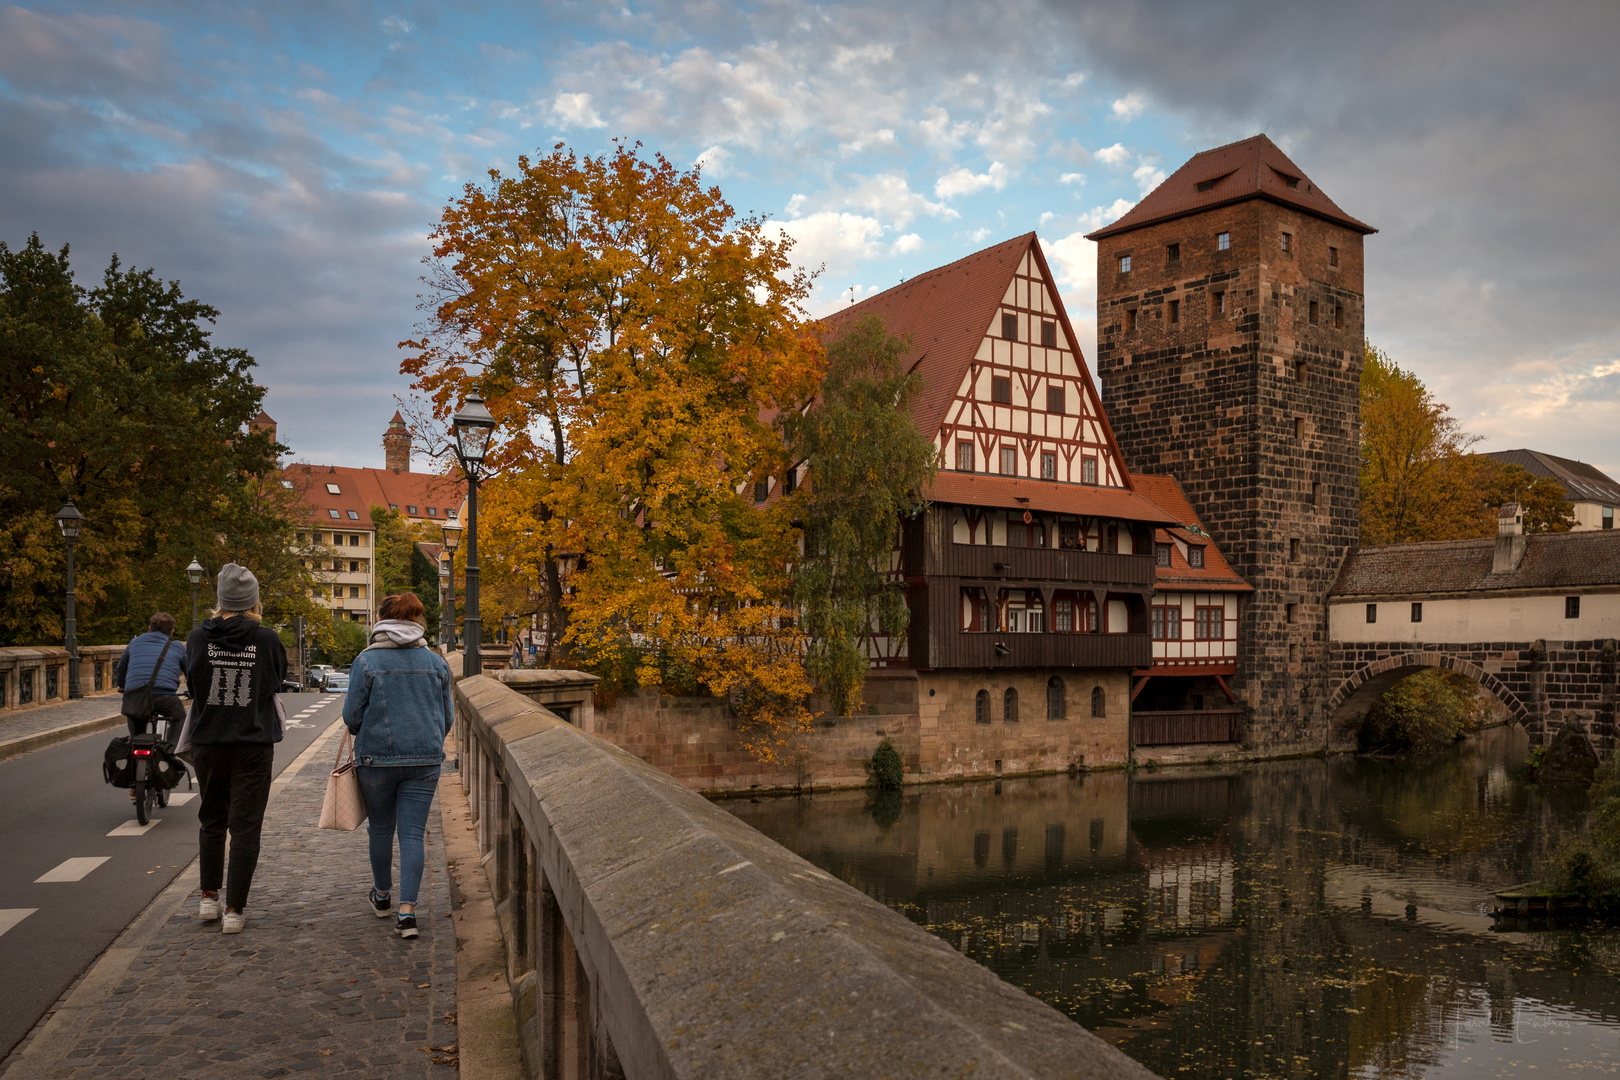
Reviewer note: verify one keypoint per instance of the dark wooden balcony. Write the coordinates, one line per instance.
(957, 649)
(930, 552)
(1182, 726)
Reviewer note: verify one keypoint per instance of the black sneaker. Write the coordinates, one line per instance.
(381, 905)
(406, 926)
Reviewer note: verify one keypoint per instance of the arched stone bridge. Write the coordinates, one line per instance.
(1532, 619)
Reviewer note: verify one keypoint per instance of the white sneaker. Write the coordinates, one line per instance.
(234, 921)
(208, 910)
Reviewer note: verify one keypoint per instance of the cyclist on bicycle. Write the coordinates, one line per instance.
(134, 668)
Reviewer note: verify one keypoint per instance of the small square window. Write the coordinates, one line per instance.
(354, 592)
(1417, 611)
(1172, 253)
(1175, 311)
(1572, 607)
(1608, 517)
(353, 516)
(334, 513)
(1048, 465)
(393, 506)
(337, 539)
(1088, 470)
(1009, 461)
(354, 566)
(1054, 399)
(1161, 554)
(762, 488)
(332, 489)
(1338, 316)
(1288, 241)
(1048, 334)
(964, 456)
(433, 511)
(1220, 303)
(1313, 312)
(1130, 321)
(1124, 264)
(1293, 549)
(1223, 241)
(1009, 326)
(354, 541)
(1195, 557)
(1001, 389)
(1333, 256)
(411, 510)
(1372, 613)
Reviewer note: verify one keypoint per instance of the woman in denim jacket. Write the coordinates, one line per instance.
(400, 709)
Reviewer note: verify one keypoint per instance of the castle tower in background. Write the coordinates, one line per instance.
(1229, 347)
(397, 445)
(263, 423)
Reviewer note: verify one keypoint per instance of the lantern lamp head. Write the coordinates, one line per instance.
(195, 572)
(474, 426)
(70, 521)
(452, 537)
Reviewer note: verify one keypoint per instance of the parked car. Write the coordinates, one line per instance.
(314, 674)
(335, 682)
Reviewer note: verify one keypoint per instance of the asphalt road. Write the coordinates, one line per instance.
(61, 818)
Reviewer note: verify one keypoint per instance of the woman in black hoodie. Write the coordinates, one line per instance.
(235, 667)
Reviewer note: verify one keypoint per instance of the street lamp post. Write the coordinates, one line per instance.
(195, 573)
(447, 578)
(70, 521)
(473, 426)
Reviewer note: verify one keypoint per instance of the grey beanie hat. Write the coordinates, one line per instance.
(237, 588)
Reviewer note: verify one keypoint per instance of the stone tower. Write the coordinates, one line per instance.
(1229, 346)
(397, 445)
(263, 423)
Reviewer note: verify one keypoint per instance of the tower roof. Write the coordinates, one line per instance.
(1252, 169)
(397, 421)
(263, 418)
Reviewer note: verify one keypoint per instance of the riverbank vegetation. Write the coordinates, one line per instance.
(1424, 713)
(1589, 865)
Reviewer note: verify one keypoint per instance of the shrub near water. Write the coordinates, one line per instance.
(883, 768)
(1423, 713)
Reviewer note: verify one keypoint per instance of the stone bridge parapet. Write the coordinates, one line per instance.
(1545, 685)
(651, 934)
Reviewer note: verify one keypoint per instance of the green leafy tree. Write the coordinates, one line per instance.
(1424, 712)
(869, 464)
(401, 566)
(118, 398)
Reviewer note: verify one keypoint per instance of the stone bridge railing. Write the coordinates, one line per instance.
(651, 934)
(36, 674)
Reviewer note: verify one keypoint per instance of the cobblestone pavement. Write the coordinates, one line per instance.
(315, 984)
(26, 722)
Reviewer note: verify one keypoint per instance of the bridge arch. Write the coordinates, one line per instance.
(1355, 696)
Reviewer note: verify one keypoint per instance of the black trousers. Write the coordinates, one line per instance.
(235, 782)
(169, 707)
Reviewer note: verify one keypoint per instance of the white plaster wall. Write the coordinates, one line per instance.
(1504, 618)
(1589, 515)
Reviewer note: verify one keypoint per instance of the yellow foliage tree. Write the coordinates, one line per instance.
(630, 333)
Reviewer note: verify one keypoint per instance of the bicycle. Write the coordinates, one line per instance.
(147, 763)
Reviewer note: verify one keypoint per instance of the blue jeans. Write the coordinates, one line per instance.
(398, 795)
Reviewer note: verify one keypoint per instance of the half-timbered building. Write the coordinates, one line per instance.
(1031, 574)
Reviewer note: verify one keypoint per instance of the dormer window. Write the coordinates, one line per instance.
(332, 489)
(334, 514)
(433, 511)
(1161, 554)
(1195, 556)
(411, 510)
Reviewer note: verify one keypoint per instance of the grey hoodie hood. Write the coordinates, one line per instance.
(396, 634)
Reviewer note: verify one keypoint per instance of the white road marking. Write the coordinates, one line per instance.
(73, 869)
(135, 828)
(11, 916)
(181, 798)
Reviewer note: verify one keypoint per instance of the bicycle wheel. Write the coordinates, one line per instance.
(143, 793)
(161, 797)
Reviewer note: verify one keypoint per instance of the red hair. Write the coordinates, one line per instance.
(405, 606)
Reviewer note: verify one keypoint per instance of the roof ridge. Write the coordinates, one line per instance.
(935, 272)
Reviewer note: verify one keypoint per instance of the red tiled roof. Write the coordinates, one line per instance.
(1216, 574)
(1252, 169)
(1552, 561)
(361, 489)
(1012, 493)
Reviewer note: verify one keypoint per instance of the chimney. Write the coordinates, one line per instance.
(1509, 539)
(397, 445)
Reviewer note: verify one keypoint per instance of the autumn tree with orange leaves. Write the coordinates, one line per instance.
(628, 330)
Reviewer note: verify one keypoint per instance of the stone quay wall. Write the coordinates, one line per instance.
(38, 674)
(651, 934)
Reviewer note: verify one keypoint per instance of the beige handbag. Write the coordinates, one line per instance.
(344, 807)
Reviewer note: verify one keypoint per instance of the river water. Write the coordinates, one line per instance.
(1316, 918)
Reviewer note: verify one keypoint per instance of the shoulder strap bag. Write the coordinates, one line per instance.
(344, 807)
(138, 703)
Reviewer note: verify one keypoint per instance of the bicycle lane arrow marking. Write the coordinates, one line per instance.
(73, 869)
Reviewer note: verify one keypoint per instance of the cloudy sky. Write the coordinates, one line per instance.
(285, 161)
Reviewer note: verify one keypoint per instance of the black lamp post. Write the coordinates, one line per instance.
(473, 427)
(195, 573)
(447, 579)
(70, 521)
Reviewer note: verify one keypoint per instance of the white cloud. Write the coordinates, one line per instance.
(1148, 177)
(966, 182)
(889, 196)
(576, 111)
(1113, 155)
(713, 161)
(937, 130)
(978, 236)
(907, 244)
(1130, 106)
(1072, 178)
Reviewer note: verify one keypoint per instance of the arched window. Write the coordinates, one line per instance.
(1054, 698)
(1009, 706)
(1099, 702)
(981, 707)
